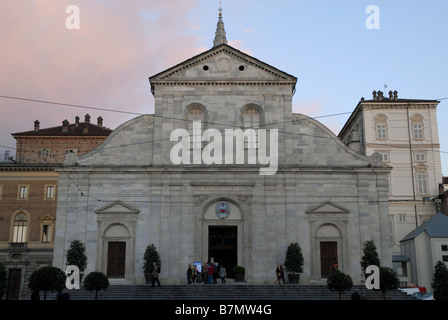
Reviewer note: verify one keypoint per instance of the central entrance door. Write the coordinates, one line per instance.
(328, 257)
(222, 247)
(116, 258)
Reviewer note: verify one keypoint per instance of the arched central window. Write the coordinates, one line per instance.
(20, 228)
(195, 115)
(251, 118)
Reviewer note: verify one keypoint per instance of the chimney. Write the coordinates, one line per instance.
(390, 95)
(65, 124)
(36, 125)
(395, 95)
(85, 129)
(100, 122)
(76, 121)
(374, 95)
(380, 95)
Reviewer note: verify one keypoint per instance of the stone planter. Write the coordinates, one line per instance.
(293, 278)
(239, 277)
(148, 278)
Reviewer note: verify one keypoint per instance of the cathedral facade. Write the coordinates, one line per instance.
(223, 171)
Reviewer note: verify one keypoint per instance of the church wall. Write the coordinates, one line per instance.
(175, 208)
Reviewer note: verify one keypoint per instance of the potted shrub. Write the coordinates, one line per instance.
(294, 262)
(151, 255)
(239, 273)
(76, 255)
(96, 281)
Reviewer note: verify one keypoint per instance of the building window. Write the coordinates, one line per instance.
(400, 268)
(251, 120)
(43, 153)
(402, 217)
(23, 192)
(384, 156)
(381, 131)
(422, 183)
(47, 233)
(381, 126)
(445, 258)
(417, 126)
(420, 157)
(444, 247)
(20, 228)
(50, 192)
(418, 131)
(47, 228)
(195, 114)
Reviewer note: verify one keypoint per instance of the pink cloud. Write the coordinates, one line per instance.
(104, 64)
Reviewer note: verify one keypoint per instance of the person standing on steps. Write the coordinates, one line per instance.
(189, 274)
(222, 274)
(278, 272)
(155, 274)
(211, 270)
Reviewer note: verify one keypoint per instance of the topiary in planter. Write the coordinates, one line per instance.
(239, 273)
(293, 262)
(151, 255)
(76, 255)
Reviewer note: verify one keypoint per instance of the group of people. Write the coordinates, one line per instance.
(280, 272)
(208, 275)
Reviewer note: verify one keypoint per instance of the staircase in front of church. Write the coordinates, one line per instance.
(226, 292)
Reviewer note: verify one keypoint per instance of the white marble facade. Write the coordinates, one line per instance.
(129, 190)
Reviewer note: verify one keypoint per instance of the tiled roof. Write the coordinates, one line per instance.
(436, 227)
(73, 130)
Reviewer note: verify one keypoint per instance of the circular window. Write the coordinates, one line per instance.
(241, 68)
(205, 68)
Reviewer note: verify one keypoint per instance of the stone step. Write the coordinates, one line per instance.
(225, 292)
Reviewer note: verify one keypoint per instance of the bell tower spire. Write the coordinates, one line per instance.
(220, 34)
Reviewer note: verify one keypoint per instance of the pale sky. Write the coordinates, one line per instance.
(106, 63)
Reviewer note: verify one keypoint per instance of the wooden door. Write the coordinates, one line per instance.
(328, 257)
(116, 259)
(14, 279)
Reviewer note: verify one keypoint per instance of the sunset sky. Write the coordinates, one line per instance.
(106, 63)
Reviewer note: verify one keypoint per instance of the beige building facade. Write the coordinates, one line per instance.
(405, 133)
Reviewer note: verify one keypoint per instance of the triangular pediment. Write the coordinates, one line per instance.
(222, 64)
(117, 207)
(328, 207)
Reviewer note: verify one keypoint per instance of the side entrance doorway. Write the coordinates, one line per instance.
(116, 259)
(14, 278)
(328, 257)
(222, 247)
